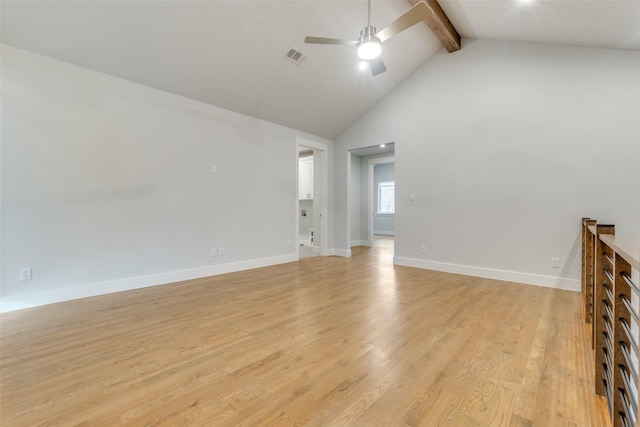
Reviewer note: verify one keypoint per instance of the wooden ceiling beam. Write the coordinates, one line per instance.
(440, 25)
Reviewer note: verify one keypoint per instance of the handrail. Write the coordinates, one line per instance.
(629, 253)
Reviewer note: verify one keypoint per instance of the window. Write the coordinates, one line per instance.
(386, 197)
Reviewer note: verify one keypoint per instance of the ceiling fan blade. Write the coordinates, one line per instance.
(377, 66)
(417, 13)
(325, 40)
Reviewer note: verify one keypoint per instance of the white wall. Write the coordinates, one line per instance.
(506, 146)
(107, 184)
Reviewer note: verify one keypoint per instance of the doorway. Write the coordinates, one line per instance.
(381, 199)
(372, 195)
(311, 206)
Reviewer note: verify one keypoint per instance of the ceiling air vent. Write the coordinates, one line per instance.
(296, 56)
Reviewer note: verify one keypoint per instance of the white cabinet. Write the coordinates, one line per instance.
(305, 181)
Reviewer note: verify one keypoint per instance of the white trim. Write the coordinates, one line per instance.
(18, 302)
(340, 252)
(491, 273)
(349, 185)
(359, 243)
(384, 232)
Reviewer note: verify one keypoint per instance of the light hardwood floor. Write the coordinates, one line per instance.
(326, 341)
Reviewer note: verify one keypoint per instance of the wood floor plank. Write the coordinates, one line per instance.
(325, 341)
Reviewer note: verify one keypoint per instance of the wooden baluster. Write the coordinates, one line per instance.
(599, 310)
(622, 290)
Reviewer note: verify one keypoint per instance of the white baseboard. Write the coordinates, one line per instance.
(384, 232)
(491, 273)
(339, 252)
(18, 302)
(359, 243)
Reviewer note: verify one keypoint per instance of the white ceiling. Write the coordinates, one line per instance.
(231, 53)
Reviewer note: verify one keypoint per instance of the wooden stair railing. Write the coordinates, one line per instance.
(611, 290)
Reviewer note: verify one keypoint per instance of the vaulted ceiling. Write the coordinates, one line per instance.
(231, 53)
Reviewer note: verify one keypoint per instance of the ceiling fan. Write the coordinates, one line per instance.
(370, 40)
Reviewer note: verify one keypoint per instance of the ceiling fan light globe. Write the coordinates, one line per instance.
(369, 45)
(369, 50)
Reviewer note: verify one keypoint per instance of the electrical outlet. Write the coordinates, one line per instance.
(221, 251)
(214, 252)
(555, 262)
(26, 273)
(288, 243)
(423, 249)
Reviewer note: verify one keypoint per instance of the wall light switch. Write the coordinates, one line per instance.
(412, 196)
(25, 273)
(214, 169)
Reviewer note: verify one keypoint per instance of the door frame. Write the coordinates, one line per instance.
(372, 164)
(321, 164)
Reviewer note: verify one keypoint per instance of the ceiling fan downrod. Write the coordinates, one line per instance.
(369, 46)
